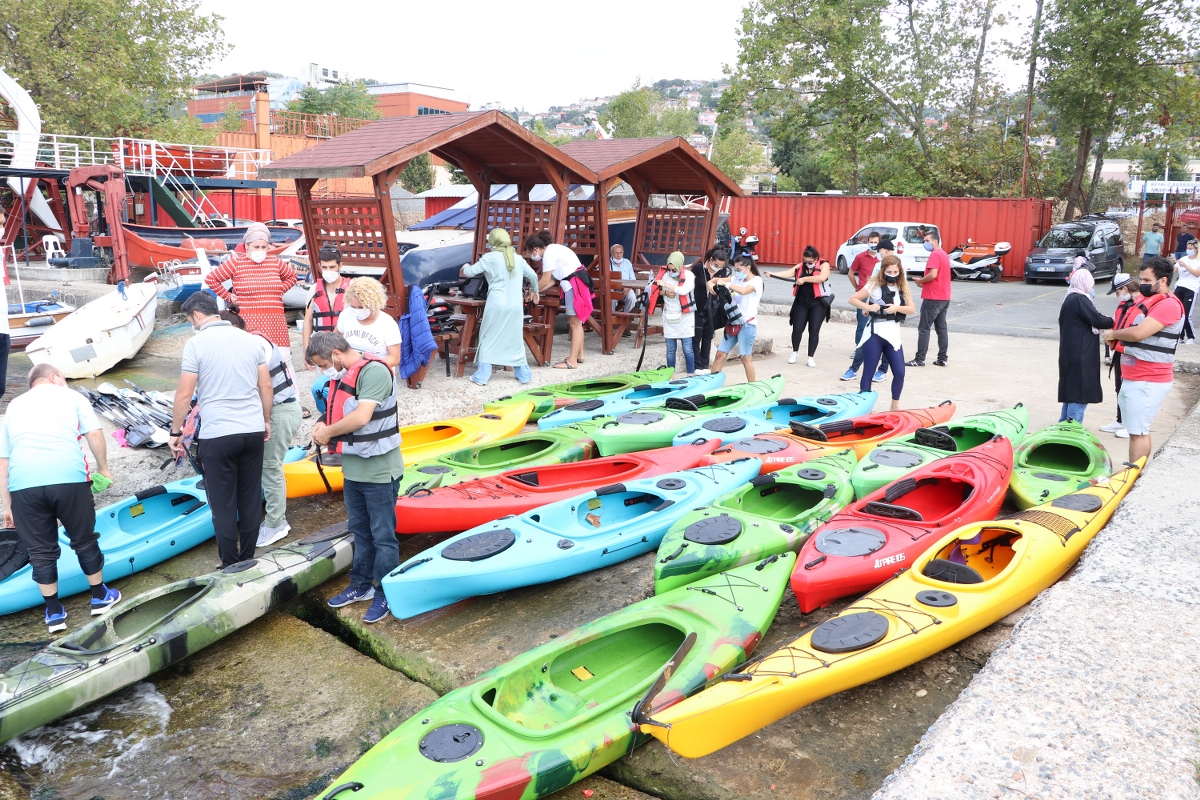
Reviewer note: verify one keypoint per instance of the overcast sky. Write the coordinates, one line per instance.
(529, 53)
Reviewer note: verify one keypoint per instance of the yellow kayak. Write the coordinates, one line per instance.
(973, 577)
(417, 443)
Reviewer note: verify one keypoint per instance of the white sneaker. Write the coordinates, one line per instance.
(1113, 427)
(702, 372)
(792, 358)
(268, 536)
(812, 362)
(1121, 434)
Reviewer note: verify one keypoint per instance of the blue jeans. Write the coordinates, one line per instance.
(483, 373)
(689, 356)
(1073, 411)
(371, 515)
(863, 319)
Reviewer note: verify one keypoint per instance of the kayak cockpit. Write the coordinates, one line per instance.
(151, 510)
(966, 437)
(925, 500)
(133, 620)
(973, 559)
(420, 435)
(561, 476)
(781, 501)
(607, 511)
(500, 453)
(584, 680)
(1063, 457)
(650, 392)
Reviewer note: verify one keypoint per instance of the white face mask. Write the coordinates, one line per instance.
(330, 276)
(257, 256)
(330, 371)
(361, 313)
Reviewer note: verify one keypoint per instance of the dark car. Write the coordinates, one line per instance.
(1054, 256)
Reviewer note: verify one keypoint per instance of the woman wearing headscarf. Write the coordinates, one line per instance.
(258, 283)
(676, 286)
(1079, 326)
(501, 342)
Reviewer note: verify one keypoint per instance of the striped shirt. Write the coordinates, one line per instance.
(259, 289)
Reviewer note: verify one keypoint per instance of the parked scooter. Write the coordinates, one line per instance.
(976, 261)
(742, 244)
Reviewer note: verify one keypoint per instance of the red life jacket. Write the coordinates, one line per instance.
(1123, 318)
(1159, 347)
(685, 300)
(381, 433)
(819, 289)
(324, 317)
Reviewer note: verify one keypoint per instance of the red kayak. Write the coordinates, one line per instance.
(451, 509)
(862, 434)
(868, 542)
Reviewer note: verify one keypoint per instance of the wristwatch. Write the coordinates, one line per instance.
(176, 434)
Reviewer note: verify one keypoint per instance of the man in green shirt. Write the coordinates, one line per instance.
(357, 423)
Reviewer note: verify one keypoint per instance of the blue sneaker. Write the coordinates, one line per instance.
(849, 375)
(102, 604)
(377, 611)
(880, 375)
(56, 622)
(352, 595)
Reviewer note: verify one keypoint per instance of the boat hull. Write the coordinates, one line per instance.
(102, 333)
(481, 461)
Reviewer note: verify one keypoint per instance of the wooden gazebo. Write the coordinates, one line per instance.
(652, 167)
(488, 146)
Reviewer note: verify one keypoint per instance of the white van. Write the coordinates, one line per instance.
(908, 237)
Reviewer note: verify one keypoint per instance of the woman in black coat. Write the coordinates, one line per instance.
(1079, 324)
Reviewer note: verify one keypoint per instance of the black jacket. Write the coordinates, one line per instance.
(1079, 350)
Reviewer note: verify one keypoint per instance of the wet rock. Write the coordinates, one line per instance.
(601, 788)
(277, 709)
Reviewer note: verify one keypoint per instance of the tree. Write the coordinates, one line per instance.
(734, 152)
(107, 67)
(231, 121)
(183, 129)
(344, 99)
(800, 161)
(630, 113)
(417, 176)
(677, 122)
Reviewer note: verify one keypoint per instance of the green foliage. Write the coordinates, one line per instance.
(677, 122)
(417, 176)
(1149, 160)
(458, 177)
(1109, 194)
(630, 114)
(106, 67)
(182, 130)
(801, 167)
(345, 99)
(735, 152)
(231, 121)
(539, 129)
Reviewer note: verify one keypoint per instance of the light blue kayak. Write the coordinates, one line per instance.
(135, 534)
(648, 395)
(734, 425)
(586, 532)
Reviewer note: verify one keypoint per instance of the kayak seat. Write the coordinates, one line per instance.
(527, 478)
(538, 705)
(940, 569)
(936, 438)
(890, 511)
(805, 431)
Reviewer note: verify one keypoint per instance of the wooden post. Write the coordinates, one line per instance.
(397, 295)
(485, 194)
(608, 341)
(304, 193)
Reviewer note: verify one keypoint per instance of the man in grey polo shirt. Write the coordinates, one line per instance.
(227, 370)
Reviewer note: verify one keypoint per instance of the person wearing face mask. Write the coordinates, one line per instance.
(500, 333)
(713, 266)
(560, 265)
(361, 423)
(1079, 326)
(1122, 285)
(226, 368)
(1186, 287)
(619, 263)
(886, 299)
(935, 301)
(1150, 335)
(676, 285)
(746, 286)
(259, 282)
(810, 291)
(865, 265)
(328, 298)
(365, 326)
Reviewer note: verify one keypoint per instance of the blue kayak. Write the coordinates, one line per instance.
(583, 533)
(648, 395)
(135, 534)
(734, 425)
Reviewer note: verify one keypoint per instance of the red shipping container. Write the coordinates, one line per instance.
(785, 224)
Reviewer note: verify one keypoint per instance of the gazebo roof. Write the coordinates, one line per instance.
(669, 165)
(482, 143)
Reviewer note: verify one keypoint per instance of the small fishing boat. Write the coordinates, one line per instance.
(150, 247)
(94, 338)
(28, 321)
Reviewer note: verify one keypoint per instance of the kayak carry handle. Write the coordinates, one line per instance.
(405, 569)
(353, 786)
(153, 491)
(416, 489)
(674, 555)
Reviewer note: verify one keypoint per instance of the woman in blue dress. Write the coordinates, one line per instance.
(501, 339)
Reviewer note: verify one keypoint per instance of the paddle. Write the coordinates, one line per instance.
(141, 418)
(641, 712)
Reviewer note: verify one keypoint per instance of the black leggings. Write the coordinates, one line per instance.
(875, 348)
(1116, 364)
(1187, 297)
(37, 512)
(810, 314)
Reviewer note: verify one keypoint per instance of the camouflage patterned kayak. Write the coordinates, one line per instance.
(144, 634)
(774, 513)
(547, 398)
(484, 460)
(561, 711)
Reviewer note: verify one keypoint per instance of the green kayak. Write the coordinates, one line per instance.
(563, 710)
(893, 460)
(480, 461)
(146, 633)
(646, 429)
(774, 513)
(1057, 460)
(546, 398)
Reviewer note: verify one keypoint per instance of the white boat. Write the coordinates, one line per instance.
(94, 338)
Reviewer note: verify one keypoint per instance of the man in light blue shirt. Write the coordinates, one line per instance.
(619, 263)
(44, 480)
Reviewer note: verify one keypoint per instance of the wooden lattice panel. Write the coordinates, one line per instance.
(583, 223)
(519, 217)
(670, 229)
(354, 226)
